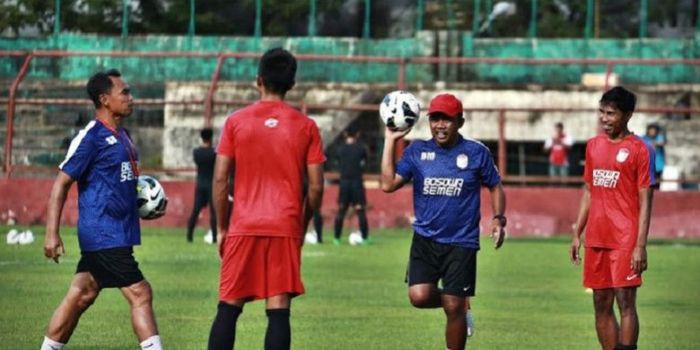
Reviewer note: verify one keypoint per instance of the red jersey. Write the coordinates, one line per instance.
(558, 147)
(270, 144)
(615, 172)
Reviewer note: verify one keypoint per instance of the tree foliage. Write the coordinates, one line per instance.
(618, 18)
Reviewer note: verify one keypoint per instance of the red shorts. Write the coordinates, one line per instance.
(609, 268)
(258, 267)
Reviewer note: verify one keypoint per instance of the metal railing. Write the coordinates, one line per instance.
(401, 63)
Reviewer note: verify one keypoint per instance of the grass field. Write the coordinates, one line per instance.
(528, 297)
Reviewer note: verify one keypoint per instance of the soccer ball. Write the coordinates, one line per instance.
(150, 198)
(12, 237)
(355, 238)
(26, 237)
(311, 237)
(399, 110)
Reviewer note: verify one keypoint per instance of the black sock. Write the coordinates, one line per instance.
(279, 333)
(625, 347)
(223, 331)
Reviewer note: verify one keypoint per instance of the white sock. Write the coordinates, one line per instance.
(50, 344)
(152, 343)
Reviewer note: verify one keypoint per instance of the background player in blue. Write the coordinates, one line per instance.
(103, 161)
(448, 172)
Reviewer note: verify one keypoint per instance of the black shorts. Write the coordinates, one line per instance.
(351, 192)
(114, 267)
(430, 262)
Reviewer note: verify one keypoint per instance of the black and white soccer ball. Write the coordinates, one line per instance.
(399, 110)
(150, 198)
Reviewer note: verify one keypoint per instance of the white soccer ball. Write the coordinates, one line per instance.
(26, 237)
(399, 110)
(311, 237)
(12, 237)
(151, 199)
(355, 238)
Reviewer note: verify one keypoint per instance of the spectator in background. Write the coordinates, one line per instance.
(204, 157)
(656, 139)
(558, 147)
(352, 157)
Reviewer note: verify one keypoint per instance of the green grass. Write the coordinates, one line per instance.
(528, 297)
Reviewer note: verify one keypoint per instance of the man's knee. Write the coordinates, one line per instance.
(453, 306)
(83, 296)
(603, 301)
(420, 297)
(139, 293)
(626, 302)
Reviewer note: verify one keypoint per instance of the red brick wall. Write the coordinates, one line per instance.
(532, 211)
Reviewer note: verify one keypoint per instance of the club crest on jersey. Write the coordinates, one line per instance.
(462, 161)
(111, 140)
(271, 122)
(622, 155)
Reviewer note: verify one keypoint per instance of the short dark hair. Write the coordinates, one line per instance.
(621, 98)
(277, 69)
(206, 134)
(100, 83)
(559, 125)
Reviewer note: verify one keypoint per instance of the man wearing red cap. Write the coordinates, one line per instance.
(448, 172)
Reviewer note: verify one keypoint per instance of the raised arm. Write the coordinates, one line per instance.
(390, 180)
(53, 245)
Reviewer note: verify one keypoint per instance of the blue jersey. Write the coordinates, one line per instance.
(103, 162)
(447, 188)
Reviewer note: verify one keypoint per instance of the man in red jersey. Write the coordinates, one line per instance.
(615, 210)
(271, 147)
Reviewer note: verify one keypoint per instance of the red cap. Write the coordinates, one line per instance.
(446, 104)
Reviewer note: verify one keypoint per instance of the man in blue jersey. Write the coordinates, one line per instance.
(448, 172)
(103, 161)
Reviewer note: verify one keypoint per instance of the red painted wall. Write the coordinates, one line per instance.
(532, 211)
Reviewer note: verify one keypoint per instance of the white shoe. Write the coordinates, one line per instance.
(209, 237)
(470, 323)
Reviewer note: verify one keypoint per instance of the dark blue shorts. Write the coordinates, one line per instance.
(111, 268)
(430, 262)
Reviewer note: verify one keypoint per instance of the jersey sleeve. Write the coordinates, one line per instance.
(588, 166)
(490, 176)
(226, 144)
(80, 155)
(405, 166)
(568, 141)
(315, 154)
(646, 166)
